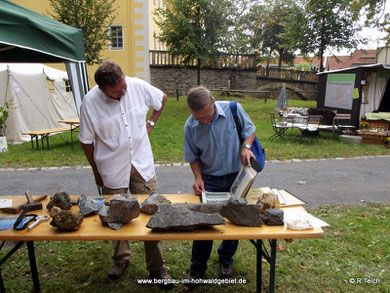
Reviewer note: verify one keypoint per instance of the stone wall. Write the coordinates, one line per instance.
(172, 78)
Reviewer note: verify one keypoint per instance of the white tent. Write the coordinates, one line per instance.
(39, 98)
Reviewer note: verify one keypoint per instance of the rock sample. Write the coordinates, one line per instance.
(207, 208)
(61, 200)
(65, 220)
(268, 201)
(273, 217)
(240, 213)
(119, 211)
(152, 202)
(87, 205)
(169, 217)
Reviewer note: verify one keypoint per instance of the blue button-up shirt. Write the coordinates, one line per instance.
(216, 144)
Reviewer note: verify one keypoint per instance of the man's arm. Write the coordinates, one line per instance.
(88, 151)
(198, 186)
(155, 114)
(246, 154)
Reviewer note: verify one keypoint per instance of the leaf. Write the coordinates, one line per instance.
(363, 216)
(302, 266)
(281, 247)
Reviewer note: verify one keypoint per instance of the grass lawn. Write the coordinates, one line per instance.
(167, 140)
(355, 247)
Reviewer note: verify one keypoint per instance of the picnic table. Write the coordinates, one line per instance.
(45, 133)
(74, 124)
(92, 229)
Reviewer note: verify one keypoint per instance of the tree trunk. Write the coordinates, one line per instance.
(198, 71)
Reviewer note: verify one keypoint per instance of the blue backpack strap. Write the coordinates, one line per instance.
(233, 109)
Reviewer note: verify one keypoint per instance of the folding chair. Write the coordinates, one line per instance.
(341, 122)
(312, 128)
(279, 126)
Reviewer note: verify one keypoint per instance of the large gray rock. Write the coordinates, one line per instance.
(273, 217)
(240, 213)
(119, 211)
(87, 205)
(152, 202)
(207, 208)
(61, 200)
(169, 217)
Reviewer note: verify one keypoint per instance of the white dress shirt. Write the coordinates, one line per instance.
(118, 130)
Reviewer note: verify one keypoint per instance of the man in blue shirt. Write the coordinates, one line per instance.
(213, 149)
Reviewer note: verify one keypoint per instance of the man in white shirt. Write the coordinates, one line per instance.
(114, 136)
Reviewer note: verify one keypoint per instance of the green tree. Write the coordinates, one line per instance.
(325, 24)
(269, 22)
(93, 17)
(374, 13)
(193, 29)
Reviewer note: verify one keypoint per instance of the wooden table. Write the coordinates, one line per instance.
(73, 122)
(92, 229)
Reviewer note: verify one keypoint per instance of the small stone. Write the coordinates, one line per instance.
(61, 200)
(273, 217)
(268, 201)
(87, 205)
(65, 220)
(169, 217)
(152, 202)
(119, 210)
(240, 213)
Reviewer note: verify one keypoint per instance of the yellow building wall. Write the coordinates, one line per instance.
(135, 17)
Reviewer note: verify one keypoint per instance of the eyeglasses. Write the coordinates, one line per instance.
(209, 116)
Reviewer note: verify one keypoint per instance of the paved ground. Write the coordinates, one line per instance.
(317, 182)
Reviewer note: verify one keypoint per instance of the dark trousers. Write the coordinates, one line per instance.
(201, 250)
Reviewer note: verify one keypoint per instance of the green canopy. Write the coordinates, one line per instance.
(27, 36)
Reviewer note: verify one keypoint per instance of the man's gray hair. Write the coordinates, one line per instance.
(109, 73)
(198, 98)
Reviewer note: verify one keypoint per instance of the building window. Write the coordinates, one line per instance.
(116, 36)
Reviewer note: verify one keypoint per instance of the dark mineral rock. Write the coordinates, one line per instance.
(65, 220)
(87, 205)
(239, 212)
(61, 200)
(119, 211)
(152, 202)
(207, 208)
(169, 217)
(273, 217)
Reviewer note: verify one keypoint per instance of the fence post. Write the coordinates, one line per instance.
(177, 94)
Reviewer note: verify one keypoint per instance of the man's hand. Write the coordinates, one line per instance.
(245, 156)
(198, 186)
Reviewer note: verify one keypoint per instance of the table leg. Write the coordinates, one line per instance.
(71, 135)
(271, 259)
(33, 265)
(272, 264)
(4, 259)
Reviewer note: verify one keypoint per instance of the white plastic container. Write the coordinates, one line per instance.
(351, 139)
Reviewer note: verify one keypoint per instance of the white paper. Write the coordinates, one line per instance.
(296, 214)
(5, 203)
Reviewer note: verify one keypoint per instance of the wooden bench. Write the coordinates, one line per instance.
(45, 133)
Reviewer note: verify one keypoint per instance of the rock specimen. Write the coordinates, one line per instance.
(87, 205)
(152, 202)
(119, 211)
(239, 212)
(65, 220)
(61, 200)
(169, 217)
(207, 208)
(268, 201)
(273, 217)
